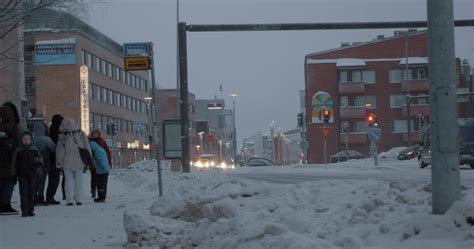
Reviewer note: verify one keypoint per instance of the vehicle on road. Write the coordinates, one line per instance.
(257, 162)
(205, 161)
(341, 156)
(409, 153)
(466, 144)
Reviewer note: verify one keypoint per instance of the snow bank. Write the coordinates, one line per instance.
(214, 210)
(392, 153)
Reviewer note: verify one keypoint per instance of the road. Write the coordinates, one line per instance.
(356, 169)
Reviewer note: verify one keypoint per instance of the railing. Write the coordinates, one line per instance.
(416, 86)
(415, 110)
(123, 157)
(352, 112)
(351, 87)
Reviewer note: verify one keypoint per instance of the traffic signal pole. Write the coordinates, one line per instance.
(443, 106)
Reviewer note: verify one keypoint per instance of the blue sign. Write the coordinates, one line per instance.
(54, 52)
(136, 49)
(374, 134)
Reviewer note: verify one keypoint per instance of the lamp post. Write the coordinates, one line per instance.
(234, 153)
(200, 141)
(148, 101)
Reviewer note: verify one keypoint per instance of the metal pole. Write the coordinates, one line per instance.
(325, 150)
(443, 106)
(150, 129)
(407, 81)
(347, 143)
(235, 131)
(155, 119)
(183, 73)
(177, 60)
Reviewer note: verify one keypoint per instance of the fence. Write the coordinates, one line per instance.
(123, 157)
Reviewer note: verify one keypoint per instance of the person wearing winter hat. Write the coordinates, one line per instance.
(46, 147)
(102, 168)
(27, 162)
(96, 137)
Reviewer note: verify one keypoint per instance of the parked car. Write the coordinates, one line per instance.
(257, 162)
(341, 156)
(466, 144)
(409, 153)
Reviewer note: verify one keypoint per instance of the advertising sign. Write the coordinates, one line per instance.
(214, 106)
(136, 49)
(321, 101)
(172, 139)
(55, 52)
(84, 90)
(136, 63)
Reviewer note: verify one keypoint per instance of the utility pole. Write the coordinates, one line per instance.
(235, 131)
(443, 106)
(183, 77)
(407, 81)
(177, 61)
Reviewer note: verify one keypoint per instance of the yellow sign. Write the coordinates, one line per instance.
(325, 130)
(136, 63)
(84, 109)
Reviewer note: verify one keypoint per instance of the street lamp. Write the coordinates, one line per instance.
(148, 101)
(234, 153)
(200, 139)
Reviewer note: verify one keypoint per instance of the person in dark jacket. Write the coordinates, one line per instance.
(102, 168)
(27, 162)
(96, 137)
(9, 141)
(46, 147)
(54, 174)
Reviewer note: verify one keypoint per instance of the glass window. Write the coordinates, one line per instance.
(83, 56)
(365, 101)
(97, 64)
(91, 91)
(399, 126)
(109, 70)
(103, 66)
(129, 106)
(110, 97)
(117, 73)
(91, 120)
(343, 76)
(117, 99)
(395, 76)
(361, 126)
(344, 101)
(136, 83)
(356, 76)
(98, 95)
(410, 74)
(146, 85)
(369, 77)
(104, 95)
(133, 104)
(128, 78)
(124, 101)
(420, 74)
(397, 101)
(103, 122)
(89, 60)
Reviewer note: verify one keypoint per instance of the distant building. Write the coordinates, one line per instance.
(355, 80)
(58, 44)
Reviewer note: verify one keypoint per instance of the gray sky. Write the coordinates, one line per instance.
(265, 68)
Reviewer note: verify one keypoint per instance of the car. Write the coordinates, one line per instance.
(205, 161)
(257, 162)
(409, 153)
(341, 156)
(224, 164)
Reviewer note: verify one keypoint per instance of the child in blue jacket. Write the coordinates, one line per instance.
(102, 168)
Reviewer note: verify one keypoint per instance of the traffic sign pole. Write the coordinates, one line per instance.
(325, 130)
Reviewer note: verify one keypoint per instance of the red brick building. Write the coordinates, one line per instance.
(356, 80)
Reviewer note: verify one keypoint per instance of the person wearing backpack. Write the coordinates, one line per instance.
(9, 141)
(71, 141)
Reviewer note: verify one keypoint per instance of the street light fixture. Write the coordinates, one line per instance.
(234, 152)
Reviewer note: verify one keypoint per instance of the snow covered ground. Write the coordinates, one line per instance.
(346, 205)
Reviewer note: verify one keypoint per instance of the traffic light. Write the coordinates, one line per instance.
(112, 129)
(300, 119)
(372, 120)
(326, 115)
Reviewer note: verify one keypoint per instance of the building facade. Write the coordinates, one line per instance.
(59, 44)
(357, 80)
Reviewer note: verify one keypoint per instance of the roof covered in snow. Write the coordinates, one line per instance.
(350, 62)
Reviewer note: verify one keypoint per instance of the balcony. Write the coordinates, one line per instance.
(352, 112)
(416, 86)
(354, 138)
(351, 87)
(414, 136)
(415, 110)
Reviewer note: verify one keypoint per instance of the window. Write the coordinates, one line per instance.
(98, 95)
(110, 72)
(129, 105)
(361, 126)
(365, 100)
(117, 73)
(343, 76)
(122, 75)
(103, 121)
(124, 101)
(104, 95)
(110, 97)
(91, 120)
(356, 76)
(344, 101)
(397, 101)
(135, 83)
(420, 74)
(88, 60)
(91, 91)
(146, 85)
(128, 78)
(133, 105)
(117, 99)
(30, 86)
(400, 126)
(410, 74)
(83, 56)
(103, 69)
(423, 101)
(369, 77)
(395, 76)
(97, 64)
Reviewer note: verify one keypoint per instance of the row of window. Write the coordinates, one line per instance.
(113, 71)
(398, 126)
(396, 101)
(98, 121)
(395, 75)
(117, 99)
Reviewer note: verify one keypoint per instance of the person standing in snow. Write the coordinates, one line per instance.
(46, 147)
(96, 137)
(102, 168)
(27, 162)
(68, 158)
(9, 141)
(54, 173)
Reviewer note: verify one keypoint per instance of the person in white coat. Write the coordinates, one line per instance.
(68, 158)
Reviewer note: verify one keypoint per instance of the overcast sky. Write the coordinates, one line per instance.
(264, 68)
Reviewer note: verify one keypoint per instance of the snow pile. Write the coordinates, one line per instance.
(392, 153)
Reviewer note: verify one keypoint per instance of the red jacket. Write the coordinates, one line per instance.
(101, 142)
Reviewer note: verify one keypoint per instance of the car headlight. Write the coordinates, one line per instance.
(409, 153)
(232, 166)
(198, 164)
(206, 164)
(212, 163)
(223, 165)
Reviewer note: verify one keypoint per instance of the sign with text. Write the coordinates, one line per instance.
(54, 52)
(141, 49)
(84, 109)
(172, 139)
(214, 106)
(136, 63)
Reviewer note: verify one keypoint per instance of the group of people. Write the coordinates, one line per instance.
(30, 158)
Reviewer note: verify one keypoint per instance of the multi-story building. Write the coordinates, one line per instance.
(358, 79)
(59, 44)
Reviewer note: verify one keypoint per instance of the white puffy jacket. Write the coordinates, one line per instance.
(70, 139)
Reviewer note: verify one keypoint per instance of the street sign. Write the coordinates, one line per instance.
(211, 138)
(136, 49)
(138, 126)
(137, 63)
(374, 134)
(325, 131)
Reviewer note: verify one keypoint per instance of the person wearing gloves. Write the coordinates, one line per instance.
(68, 157)
(102, 168)
(46, 147)
(27, 162)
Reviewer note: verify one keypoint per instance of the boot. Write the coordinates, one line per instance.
(8, 210)
(41, 202)
(53, 202)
